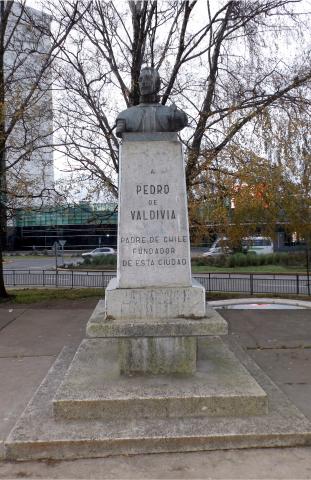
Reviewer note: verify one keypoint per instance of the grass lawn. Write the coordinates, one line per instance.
(34, 295)
(206, 269)
(55, 296)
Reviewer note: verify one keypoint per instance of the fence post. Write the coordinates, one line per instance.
(43, 277)
(56, 279)
(251, 281)
(14, 278)
(297, 284)
(103, 279)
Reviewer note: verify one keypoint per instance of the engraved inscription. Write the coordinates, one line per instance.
(153, 238)
(153, 214)
(152, 189)
(143, 255)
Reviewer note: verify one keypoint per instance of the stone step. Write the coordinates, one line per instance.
(37, 435)
(93, 387)
(100, 326)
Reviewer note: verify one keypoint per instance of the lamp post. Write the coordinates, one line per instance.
(55, 248)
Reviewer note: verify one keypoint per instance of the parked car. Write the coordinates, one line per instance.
(219, 247)
(259, 245)
(99, 251)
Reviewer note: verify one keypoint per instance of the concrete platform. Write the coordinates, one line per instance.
(93, 387)
(37, 435)
(100, 326)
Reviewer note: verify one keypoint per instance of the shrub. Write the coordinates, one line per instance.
(110, 260)
(237, 260)
(252, 259)
(87, 261)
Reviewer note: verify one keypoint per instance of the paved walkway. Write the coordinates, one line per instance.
(31, 337)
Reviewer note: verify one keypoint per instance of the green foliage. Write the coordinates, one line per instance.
(35, 295)
(266, 269)
(252, 259)
(104, 260)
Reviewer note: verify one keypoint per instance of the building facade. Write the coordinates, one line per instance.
(84, 227)
(28, 107)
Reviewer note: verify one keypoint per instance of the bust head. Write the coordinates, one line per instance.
(149, 81)
(150, 115)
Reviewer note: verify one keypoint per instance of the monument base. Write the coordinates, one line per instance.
(93, 387)
(39, 435)
(154, 302)
(155, 345)
(157, 355)
(102, 325)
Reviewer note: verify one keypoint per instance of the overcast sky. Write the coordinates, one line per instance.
(286, 51)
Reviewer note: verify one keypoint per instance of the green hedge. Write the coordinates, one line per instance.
(252, 259)
(230, 261)
(106, 260)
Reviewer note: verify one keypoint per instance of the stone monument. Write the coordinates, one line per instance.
(153, 374)
(153, 282)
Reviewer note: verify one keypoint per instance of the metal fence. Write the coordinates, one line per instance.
(257, 284)
(213, 282)
(56, 278)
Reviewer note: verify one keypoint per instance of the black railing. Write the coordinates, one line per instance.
(256, 284)
(53, 278)
(213, 282)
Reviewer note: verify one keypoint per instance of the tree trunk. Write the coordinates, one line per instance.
(3, 213)
(3, 292)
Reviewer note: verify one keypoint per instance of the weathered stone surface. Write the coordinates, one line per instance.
(37, 435)
(157, 355)
(155, 303)
(101, 326)
(93, 387)
(153, 233)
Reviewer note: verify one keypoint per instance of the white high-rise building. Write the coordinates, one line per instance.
(29, 153)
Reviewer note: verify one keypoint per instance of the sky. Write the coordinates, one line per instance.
(286, 50)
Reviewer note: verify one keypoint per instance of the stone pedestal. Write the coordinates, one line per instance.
(160, 340)
(94, 387)
(153, 232)
(152, 303)
(153, 281)
(157, 355)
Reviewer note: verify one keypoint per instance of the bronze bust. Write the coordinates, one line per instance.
(150, 115)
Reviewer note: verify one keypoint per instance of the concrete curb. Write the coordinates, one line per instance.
(245, 301)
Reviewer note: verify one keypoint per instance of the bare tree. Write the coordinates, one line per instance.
(28, 48)
(226, 63)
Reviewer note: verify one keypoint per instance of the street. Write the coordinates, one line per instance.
(36, 263)
(40, 271)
